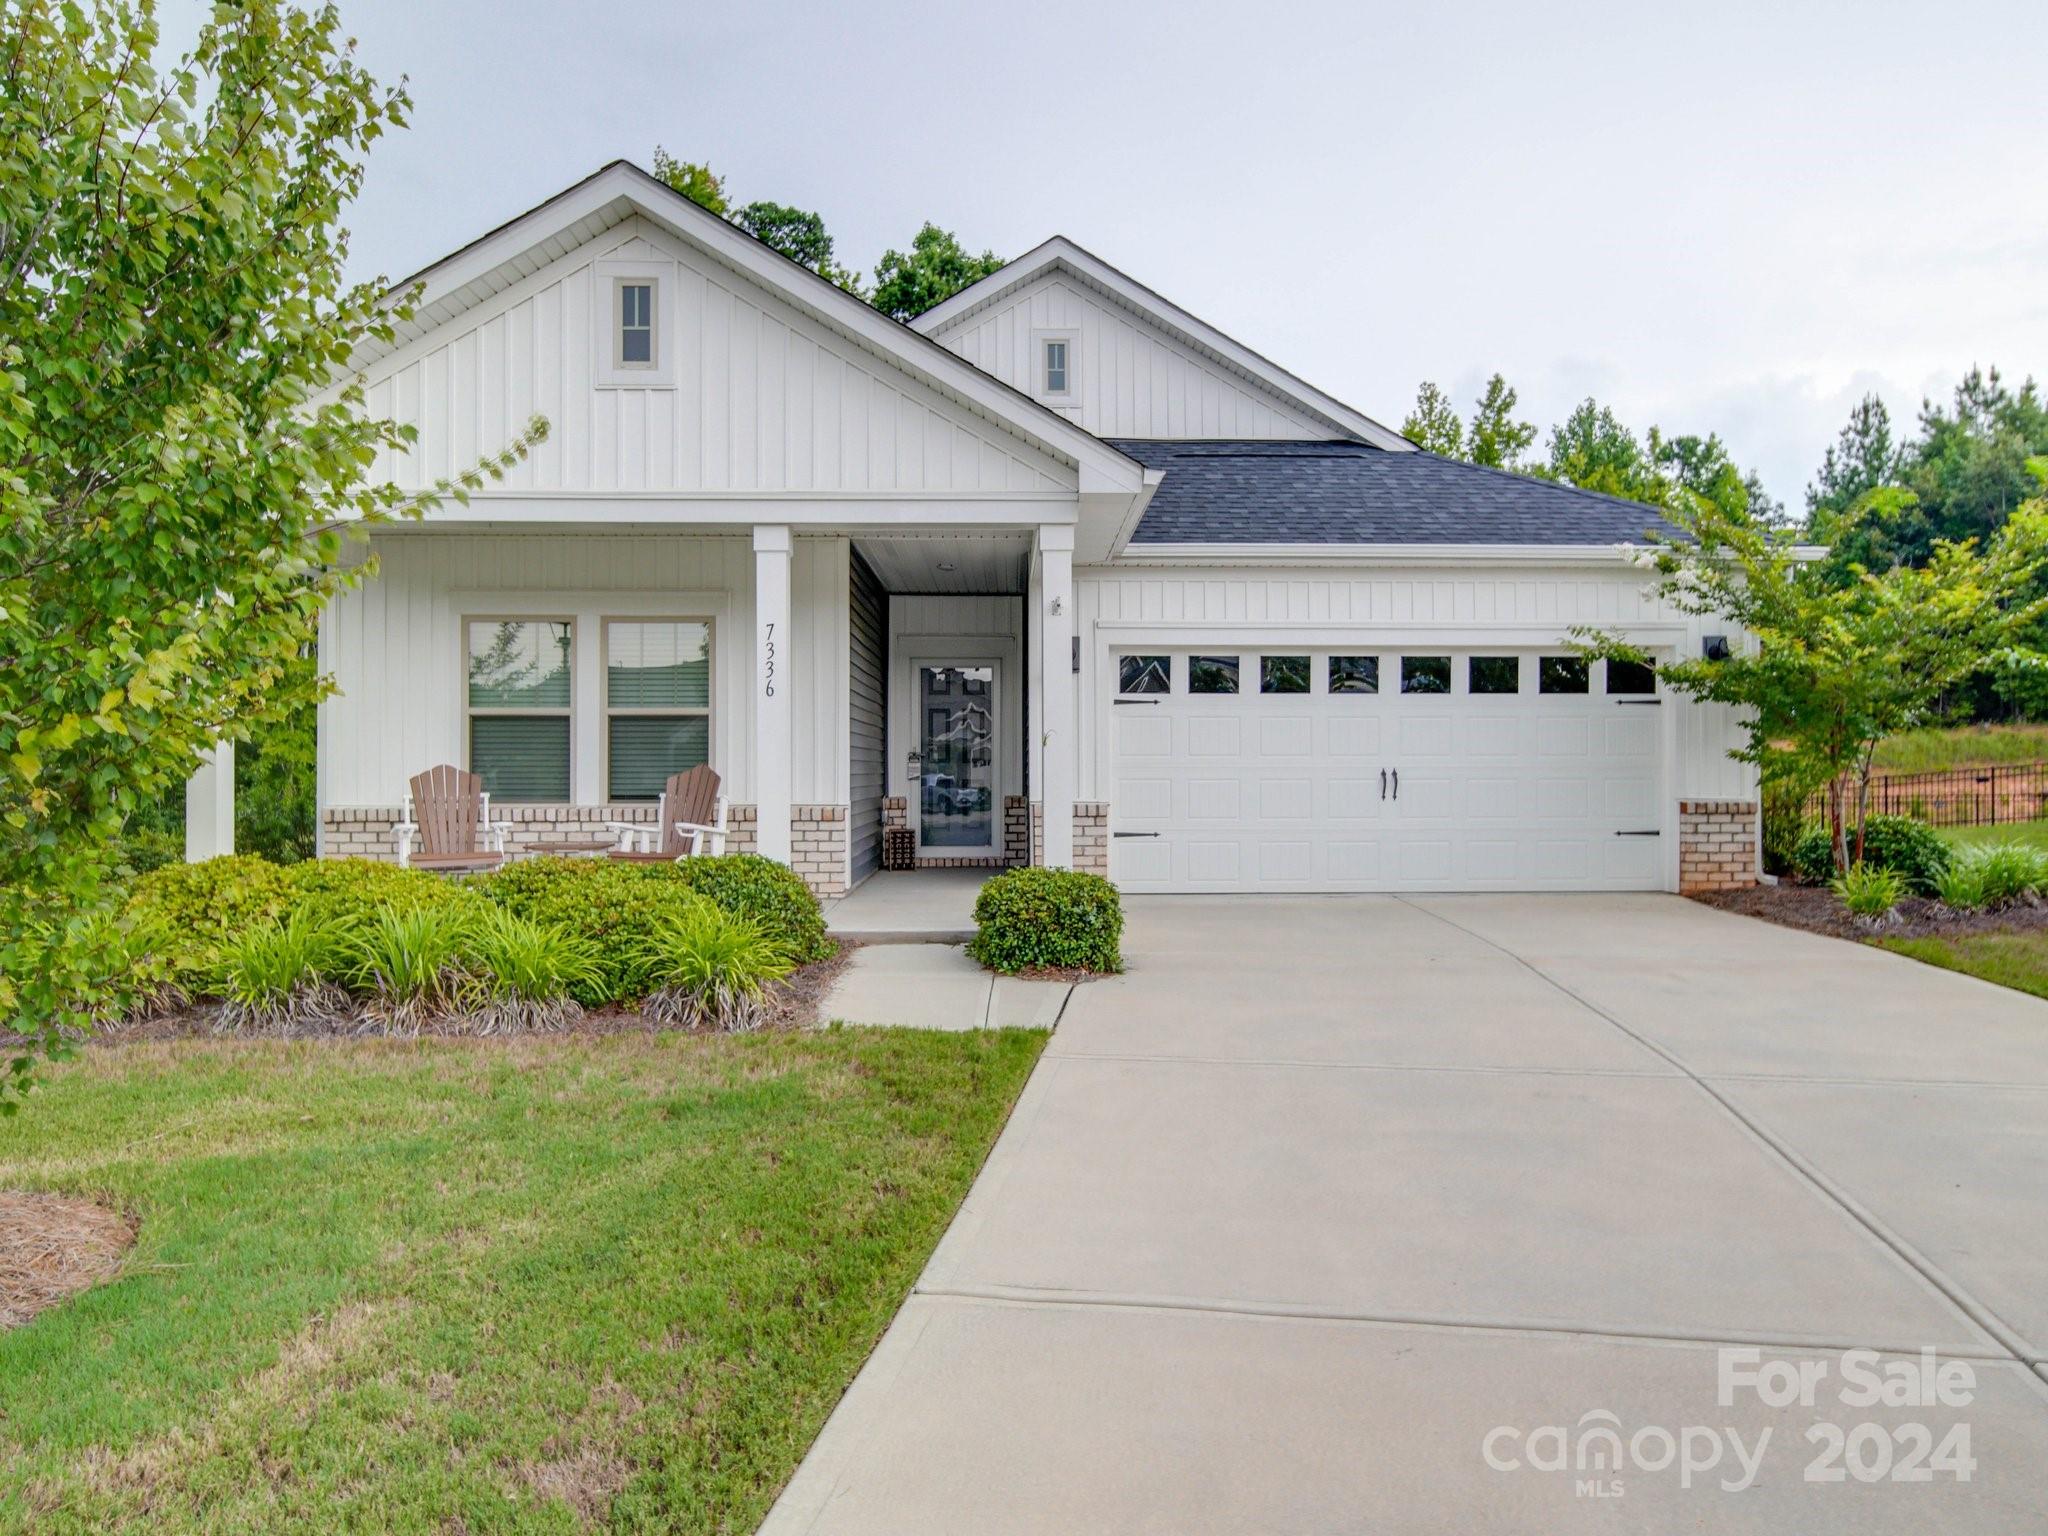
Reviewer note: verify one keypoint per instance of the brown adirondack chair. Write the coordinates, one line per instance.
(448, 817)
(689, 819)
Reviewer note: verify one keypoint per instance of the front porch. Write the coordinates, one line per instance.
(843, 682)
(919, 906)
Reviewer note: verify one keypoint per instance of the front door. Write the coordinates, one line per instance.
(956, 748)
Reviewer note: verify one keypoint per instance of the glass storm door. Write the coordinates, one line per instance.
(956, 740)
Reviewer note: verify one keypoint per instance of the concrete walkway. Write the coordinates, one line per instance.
(1329, 1196)
(935, 986)
(922, 906)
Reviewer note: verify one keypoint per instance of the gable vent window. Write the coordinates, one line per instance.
(1055, 367)
(634, 330)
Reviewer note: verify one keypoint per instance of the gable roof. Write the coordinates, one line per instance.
(620, 190)
(1261, 491)
(1060, 253)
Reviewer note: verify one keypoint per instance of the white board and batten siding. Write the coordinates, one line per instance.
(396, 649)
(1132, 379)
(764, 399)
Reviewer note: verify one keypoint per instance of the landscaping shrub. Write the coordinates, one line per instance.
(1057, 918)
(345, 894)
(612, 906)
(522, 973)
(410, 962)
(709, 966)
(1784, 811)
(1911, 848)
(1870, 892)
(280, 975)
(773, 895)
(204, 907)
(1994, 875)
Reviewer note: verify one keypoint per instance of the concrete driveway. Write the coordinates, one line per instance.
(1355, 1214)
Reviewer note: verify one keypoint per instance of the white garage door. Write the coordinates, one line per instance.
(1446, 769)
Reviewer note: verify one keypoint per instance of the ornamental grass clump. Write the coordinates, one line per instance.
(709, 967)
(410, 962)
(1870, 893)
(522, 975)
(278, 976)
(1995, 875)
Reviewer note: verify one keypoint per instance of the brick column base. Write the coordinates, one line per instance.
(1091, 835)
(817, 848)
(1716, 845)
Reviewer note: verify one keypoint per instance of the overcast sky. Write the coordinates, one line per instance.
(1736, 218)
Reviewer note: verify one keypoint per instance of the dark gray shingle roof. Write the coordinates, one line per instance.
(1276, 492)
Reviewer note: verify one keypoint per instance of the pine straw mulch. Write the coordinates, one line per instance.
(1818, 910)
(792, 1004)
(52, 1247)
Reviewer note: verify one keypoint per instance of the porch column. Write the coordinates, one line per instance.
(1059, 758)
(210, 805)
(772, 677)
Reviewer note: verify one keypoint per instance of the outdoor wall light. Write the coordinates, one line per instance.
(1715, 647)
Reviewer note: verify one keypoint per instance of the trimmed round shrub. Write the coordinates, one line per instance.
(346, 894)
(1914, 850)
(772, 896)
(612, 905)
(202, 908)
(1057, 918)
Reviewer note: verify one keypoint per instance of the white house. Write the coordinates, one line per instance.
(1059, 561)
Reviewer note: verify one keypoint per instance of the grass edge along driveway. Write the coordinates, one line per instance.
(541, 1284)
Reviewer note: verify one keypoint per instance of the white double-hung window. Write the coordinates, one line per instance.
(657, 703)
(519, 704)
(1056, 366)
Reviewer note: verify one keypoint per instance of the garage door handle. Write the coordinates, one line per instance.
(1134, 834)
(1397, 783)
(1383, 783)
(1653, 832)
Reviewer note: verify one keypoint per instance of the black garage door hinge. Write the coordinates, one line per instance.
(1653, 832)
(1134, 834)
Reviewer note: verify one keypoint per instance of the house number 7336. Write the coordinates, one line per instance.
(768, 661)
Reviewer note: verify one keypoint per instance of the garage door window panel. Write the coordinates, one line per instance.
(1425, 674)
(1283, 674)
(1138, 676)
(1493, 674)
(1354, 674)
(1562, 674)
(1212, 674)
(1631, 677)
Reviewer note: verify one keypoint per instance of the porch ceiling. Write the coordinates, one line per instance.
(919, 564)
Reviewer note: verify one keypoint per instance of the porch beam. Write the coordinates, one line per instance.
(1059, 754)
(210, 805)
(773, 676)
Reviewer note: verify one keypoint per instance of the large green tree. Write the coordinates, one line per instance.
(937, 266)
(1591, 449)
(1433, 425)
(797, 233)
(172, 462)
(1497, 438)
(1837, 660)
(1860, 460)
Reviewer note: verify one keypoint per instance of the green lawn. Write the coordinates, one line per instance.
(2032, 833)
(509, 1285)
(2017, 960)
(1967, 746)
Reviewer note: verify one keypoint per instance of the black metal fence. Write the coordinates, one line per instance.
(1957, 797)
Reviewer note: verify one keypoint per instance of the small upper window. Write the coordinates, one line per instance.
(1562, 674)
(635, 324)
(1144, 674)
(1425, 674)
(1354, 674)
(1056, 367)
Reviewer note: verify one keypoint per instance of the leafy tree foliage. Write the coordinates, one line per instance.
(1839, 660)
(1862, 459)
(798, 234)
(699, 183)
(1592, 449)
(935, 268)
(1497, 439)
(172, 461)
(1433, 425)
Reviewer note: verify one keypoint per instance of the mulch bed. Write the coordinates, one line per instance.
(52, 1247)
(792, 1004)
(1817, 909)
